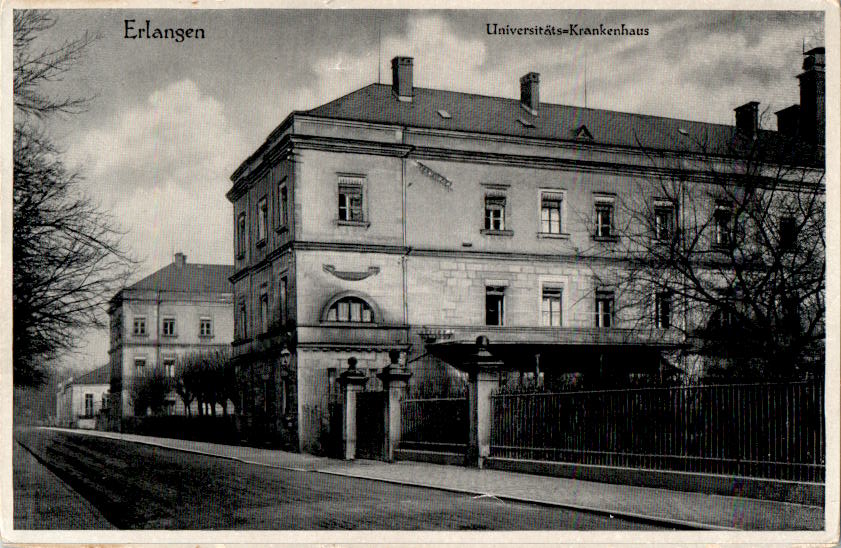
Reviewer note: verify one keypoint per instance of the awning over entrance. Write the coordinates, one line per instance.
(559, 349)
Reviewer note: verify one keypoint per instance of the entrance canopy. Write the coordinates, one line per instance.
(558, 349)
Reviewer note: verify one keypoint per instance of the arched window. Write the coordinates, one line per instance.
(350, 309)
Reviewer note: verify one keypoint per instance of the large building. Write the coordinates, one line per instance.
(80, 399)
(415, 219)
(180, 309)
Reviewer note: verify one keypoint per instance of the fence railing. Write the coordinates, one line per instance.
(757, 430)
(436, 424)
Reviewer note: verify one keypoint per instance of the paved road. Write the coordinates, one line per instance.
(141, 487)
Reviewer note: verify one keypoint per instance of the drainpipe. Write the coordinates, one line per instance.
(404, 258)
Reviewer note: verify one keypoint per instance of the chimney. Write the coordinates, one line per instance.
(788, 121)
(812, 100)
(180, 259)
(401, 78)
(530, 92)
(747, 119)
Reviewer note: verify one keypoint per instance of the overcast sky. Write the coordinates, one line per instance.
(170, 122)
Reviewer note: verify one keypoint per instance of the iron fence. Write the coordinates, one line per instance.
(756, 430)
(435, 424)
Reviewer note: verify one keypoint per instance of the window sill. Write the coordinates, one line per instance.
(140, 335)
(360, 224)
(553, 235)
(205, 337)
(605, 238)
(169, 336)
(491, 232)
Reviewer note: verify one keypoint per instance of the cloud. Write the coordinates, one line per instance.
(162, 167)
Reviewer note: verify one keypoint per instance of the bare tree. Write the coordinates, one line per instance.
(725, 245)
(150, 392)
(67, 253)
(205, 377)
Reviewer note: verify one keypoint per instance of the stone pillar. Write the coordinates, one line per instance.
(483, 377)
(353, 381)
(394, 377)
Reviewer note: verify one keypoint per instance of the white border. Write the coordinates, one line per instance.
(833, 325)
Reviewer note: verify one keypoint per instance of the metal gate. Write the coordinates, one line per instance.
(370, 427)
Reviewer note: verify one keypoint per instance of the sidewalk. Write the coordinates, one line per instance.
(678, 508)
(42, 501)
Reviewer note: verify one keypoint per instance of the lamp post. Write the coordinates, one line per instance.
(285, 359)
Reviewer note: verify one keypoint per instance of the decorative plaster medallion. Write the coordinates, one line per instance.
(351, 276)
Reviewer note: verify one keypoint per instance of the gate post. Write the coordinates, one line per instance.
(352, 381)
(483, 377)
(394, 377)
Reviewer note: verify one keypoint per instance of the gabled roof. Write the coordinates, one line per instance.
(473, 113)
(100, 375)
(193, 278)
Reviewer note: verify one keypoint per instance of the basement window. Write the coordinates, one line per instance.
(444, 114)
(525, 123)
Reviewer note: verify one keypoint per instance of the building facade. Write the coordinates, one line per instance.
(79, 400)
(181, 309)
(412, 219)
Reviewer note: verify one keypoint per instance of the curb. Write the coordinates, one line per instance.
(633, 516)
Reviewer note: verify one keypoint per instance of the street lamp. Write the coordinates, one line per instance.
(285, 357)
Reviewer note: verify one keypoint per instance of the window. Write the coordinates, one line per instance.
(168, 327)
(205, 327)
(350, 201)
(552, 306)
(241, 227)
(139, 326)
(494, 305)
(282, 206)
(104, 401)
(139, 367)
(550, 213)
(89, 405)
(664, 218)
(243, 319)
(169, 367)
(788, 233)
(663, 310)
(262, 219)
(169, 407)
(604, 218)
(350, 309)
(283, 299)
(721, 224)
(264, 308)
(495, 213)
(604, 309)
